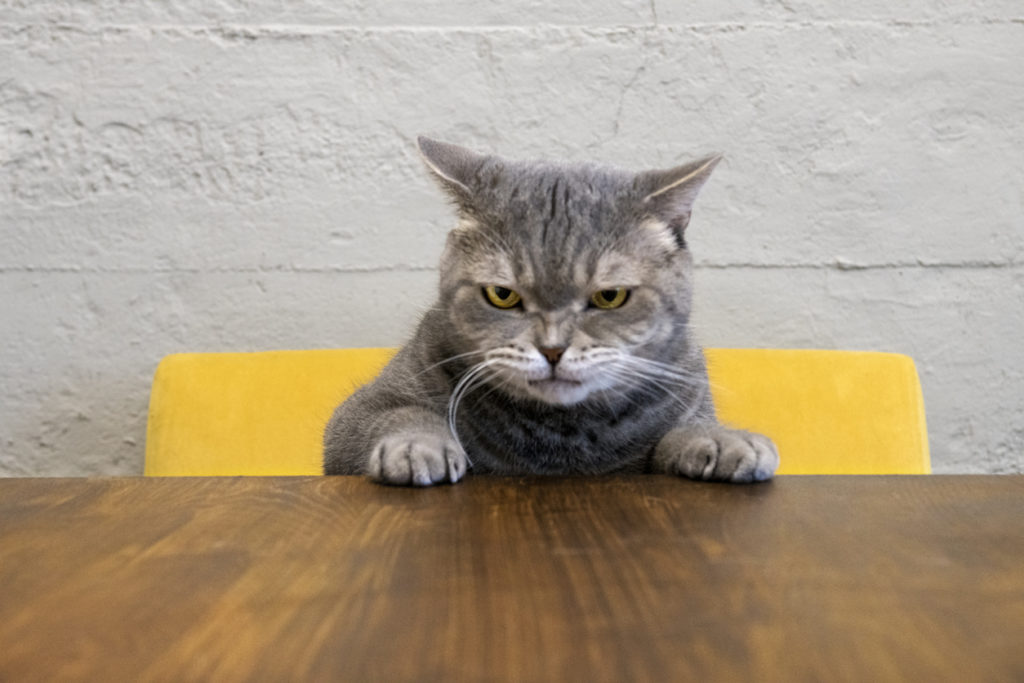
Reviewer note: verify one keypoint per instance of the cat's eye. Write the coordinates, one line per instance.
(502, 297)
(609, 298)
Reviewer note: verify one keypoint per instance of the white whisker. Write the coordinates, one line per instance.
(653, 368)
(629, 382)
(472, 379)
(650, 385)
(504, 382)
(449, 359)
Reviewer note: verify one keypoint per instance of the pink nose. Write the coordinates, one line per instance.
(552, 353)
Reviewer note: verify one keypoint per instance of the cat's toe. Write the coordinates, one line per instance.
(416, 460)
(697, 458)
(751, 457)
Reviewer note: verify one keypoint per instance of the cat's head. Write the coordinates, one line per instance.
(564, 281)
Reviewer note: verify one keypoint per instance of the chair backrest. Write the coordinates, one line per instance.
(263, 413)
(829, 412)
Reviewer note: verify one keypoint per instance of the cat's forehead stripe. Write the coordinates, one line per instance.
(558, 232)
(581, 272)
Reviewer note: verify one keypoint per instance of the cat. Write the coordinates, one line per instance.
(560, 342)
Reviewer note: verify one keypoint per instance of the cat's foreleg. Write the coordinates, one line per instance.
(712, 452)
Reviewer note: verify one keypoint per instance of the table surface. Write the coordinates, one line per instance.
(626, 578)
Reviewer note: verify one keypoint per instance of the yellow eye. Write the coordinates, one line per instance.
(502, 297)
(610, 298)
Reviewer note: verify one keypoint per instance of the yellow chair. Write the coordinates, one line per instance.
(263, 413)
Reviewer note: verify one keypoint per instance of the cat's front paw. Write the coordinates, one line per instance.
(417, 459)
(717, 454)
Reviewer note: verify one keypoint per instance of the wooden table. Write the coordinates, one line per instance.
(645, 578)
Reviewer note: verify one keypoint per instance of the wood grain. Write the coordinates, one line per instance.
(635, 578)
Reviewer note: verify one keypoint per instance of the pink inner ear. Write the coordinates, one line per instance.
(661, 233)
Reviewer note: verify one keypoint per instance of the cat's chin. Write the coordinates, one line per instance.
(562, 392)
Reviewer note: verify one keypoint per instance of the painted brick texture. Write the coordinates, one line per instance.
(188, 176)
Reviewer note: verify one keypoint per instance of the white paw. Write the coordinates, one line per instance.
(417, 459)
(717, 454)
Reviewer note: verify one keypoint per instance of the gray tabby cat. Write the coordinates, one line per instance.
(560, 342)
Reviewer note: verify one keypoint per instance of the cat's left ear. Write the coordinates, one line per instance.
(669, 194)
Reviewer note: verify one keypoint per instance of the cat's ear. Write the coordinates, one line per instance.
(669, 195)
(454, 167)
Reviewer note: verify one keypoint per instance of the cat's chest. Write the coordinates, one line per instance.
(582, 441)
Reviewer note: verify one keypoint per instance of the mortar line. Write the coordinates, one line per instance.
(359, 270)
(241, 30)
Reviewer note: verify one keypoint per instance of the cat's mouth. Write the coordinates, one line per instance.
(558, 390)
(554, 382)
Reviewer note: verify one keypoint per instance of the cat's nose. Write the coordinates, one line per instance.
(552, 353)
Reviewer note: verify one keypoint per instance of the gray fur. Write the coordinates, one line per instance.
(630, 390)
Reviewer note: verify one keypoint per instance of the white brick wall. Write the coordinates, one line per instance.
(187, 175)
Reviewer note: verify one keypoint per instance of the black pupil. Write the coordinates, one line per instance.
(609, 294)
(502, 293)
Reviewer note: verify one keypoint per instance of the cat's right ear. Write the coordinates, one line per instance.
(454, 167)
(669, 194)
